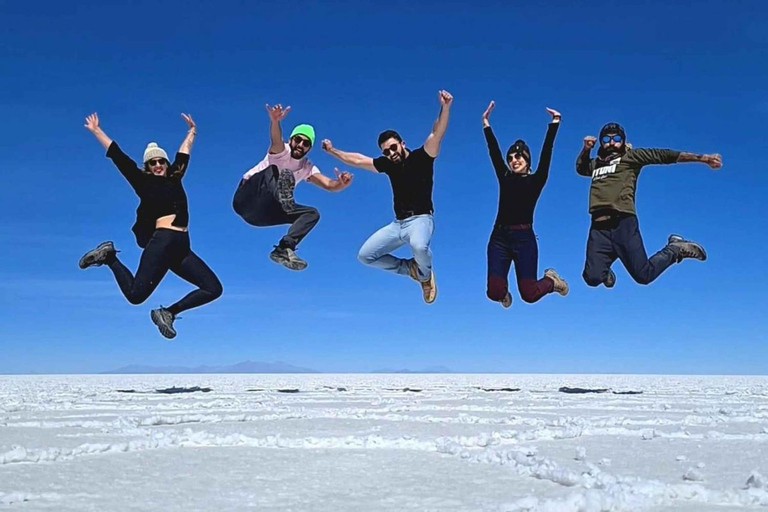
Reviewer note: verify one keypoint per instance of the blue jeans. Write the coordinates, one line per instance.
(415, 231)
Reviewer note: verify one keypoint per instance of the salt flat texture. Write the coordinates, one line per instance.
(362, 443)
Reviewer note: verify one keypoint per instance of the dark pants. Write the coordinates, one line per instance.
(619, 237)
(256, 202)
(168, 250)
(506, 245)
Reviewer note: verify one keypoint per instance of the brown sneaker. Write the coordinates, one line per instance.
(507, 300)
(561, 286)
(413, 270)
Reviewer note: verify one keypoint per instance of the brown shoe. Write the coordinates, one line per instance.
(413, 271)
(507, 300)
(561, 286)
(429, 289)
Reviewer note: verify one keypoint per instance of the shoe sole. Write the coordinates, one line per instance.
(90, 258)
(291, 265)
(504, 302)
(164, 330)
(610, 282)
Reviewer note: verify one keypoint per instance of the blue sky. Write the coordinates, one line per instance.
(675, 76)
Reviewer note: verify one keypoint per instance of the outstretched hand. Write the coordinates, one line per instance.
(92, 122)
(589, 142)
(555, 115)
(190, 122)
(715, 161)
(277, 113)
(445, 98)
(345, 178)
(487, 113)
(327, 145)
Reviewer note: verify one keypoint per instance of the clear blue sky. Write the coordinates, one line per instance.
(689, 78)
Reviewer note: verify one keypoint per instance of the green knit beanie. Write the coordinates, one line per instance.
(306, 130)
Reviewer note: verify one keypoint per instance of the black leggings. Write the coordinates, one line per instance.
(168, 250)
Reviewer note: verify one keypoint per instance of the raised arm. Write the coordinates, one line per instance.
(493, 145)
(341, 182)
(545, 157)
(123, 162)
(276, 114)
(354, 159)
(583, 161)
(186, 144)
(432, 144)
(92, 124)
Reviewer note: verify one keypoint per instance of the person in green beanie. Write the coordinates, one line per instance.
(264, 196)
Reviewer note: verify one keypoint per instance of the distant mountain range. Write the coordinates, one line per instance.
(244, 367)
(248, 367)
(429, 369)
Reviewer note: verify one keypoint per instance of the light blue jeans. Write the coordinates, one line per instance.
(415, 231)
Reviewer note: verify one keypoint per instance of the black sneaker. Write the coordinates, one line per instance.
(98, 256)
(285, 185)
(287, 258)
(686, 248)
(163, 319)
(610, 279)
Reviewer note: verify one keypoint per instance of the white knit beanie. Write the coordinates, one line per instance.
(153, 151)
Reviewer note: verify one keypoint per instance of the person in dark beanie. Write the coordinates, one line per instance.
(264, 196)
(614, 232)
(513, 238)
(410, 172)
(161, 229)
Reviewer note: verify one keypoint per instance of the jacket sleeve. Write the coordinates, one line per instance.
(125, 165)
(545, 157)
(179, 165)
(495, 153)
(643, 156)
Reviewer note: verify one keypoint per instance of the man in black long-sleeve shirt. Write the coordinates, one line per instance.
(615, 232)
(513, 238)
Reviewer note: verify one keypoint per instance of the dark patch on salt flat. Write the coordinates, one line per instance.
(175, 390)
(508, 390)
(287, 390)
(255, 389)
(627, 392)
(566, 389)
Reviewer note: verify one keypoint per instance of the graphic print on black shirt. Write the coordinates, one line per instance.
(411, 182)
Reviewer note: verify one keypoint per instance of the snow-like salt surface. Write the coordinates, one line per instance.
(359, 442)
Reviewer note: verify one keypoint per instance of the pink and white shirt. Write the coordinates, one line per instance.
(302, 169)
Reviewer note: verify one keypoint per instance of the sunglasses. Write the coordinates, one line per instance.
(301, 141)
(517, 156)
(391, 149)
(608, 138)
(156, 161)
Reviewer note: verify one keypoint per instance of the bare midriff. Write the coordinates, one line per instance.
(167, 223)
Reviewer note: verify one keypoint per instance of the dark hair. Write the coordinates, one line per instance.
(389, 134)
(170, 171)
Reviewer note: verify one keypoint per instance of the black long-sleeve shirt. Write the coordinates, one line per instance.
(159, 195)
(518, 193)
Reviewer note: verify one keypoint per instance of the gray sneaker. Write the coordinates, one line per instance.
(686, 248)
(561, 286)
(507, 300)
(98, 256)
(163, 319)
(285, 185)
(287, 258)
(610, 279)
